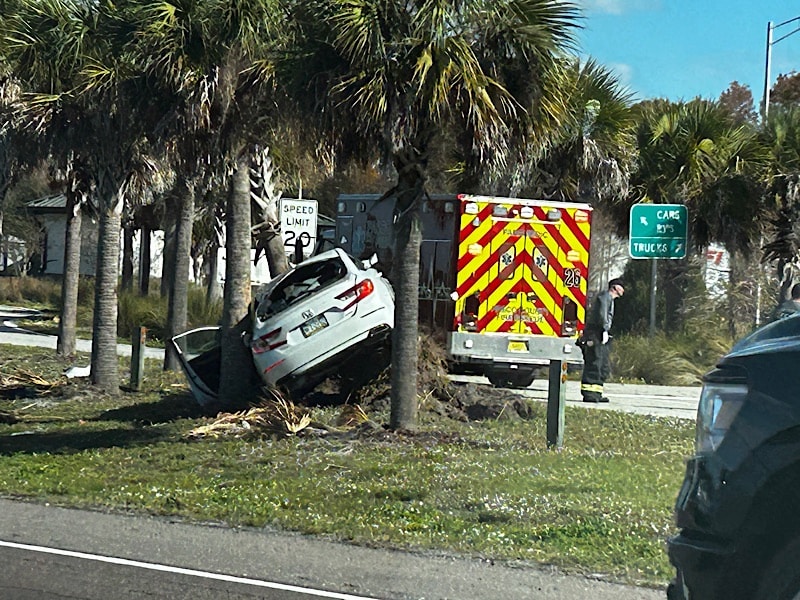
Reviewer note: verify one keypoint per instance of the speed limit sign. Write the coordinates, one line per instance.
(298, 227)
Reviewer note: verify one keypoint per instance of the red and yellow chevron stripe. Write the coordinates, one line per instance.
(522, 266)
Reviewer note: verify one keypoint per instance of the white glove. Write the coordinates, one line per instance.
(605, 337)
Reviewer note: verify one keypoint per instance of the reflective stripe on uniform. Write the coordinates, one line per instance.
(592, 387)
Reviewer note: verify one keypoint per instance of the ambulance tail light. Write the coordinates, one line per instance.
(467, 320)
(569, 324)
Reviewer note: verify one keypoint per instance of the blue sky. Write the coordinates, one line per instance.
(680, 49)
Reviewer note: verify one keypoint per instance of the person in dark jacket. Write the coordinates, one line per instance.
(595, 343)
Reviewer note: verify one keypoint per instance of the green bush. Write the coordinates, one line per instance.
(34, 292)
(151, 312)
(662, 360)
(141, 311)
(45, 293)
(201, 311)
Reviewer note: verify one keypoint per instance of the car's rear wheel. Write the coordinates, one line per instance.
(780, 580)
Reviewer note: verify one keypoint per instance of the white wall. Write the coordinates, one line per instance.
(56, 226)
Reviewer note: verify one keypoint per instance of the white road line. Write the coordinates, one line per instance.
(181, 571)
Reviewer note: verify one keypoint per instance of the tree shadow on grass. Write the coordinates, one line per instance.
(67, 442)
(169, 408)
(141, 417)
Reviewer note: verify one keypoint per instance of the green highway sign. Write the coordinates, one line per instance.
(658, 231)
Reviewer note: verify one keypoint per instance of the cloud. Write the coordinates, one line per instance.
(618, 7)
(623, 71)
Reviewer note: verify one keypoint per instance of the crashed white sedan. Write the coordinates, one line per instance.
(331, 314)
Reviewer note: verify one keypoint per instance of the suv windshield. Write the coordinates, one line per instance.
(304, 281)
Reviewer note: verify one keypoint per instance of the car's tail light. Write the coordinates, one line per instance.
(357, 293)
(267, 342)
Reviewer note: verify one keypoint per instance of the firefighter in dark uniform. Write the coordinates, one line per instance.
(595, 343)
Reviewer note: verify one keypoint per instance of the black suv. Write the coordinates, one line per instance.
(739, 507)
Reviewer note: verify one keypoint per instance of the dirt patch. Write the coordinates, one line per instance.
(438, 395)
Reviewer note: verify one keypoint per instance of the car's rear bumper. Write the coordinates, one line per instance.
(337, 360)
(700, 565)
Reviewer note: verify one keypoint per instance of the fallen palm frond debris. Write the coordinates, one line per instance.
(23, 378)
(352, 415)
(8, 418)
(274, 415)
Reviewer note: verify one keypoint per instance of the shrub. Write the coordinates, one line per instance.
(201, 311)
(141, 311)
(38, 292)
(660, 360)
(151, 312)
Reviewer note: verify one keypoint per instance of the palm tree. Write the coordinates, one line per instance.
(781, 135)
(73, 58)
(216, 58)
(9, 154)
(390, 75)
(587, 155)
(78, 194)
(697, 154)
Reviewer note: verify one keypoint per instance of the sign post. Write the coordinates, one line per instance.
(657, 231)
(298, 228)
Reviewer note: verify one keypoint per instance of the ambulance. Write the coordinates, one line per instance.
(503, 280)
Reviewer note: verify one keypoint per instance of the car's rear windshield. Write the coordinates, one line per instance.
(305, 281)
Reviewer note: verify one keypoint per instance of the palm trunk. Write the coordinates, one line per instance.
(4, 243)
(169, 246)
(127, 257)
(65, 345)
(674, 290)
(235, 377)
(263, 189)
(277, 261)
(105, 366)
(178, 298)
(408, 239)
(213, 292)
(144, 263)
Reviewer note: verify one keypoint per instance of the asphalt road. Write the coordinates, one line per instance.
(657, 400)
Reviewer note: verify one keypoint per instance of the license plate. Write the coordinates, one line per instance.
(313, 325)
(517, 346)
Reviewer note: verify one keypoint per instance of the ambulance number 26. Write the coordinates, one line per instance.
(572, 278)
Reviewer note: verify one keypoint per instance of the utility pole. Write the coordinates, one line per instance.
(765, 110)
(770, 43)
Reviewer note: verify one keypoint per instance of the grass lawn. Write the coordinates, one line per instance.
(602, 504)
